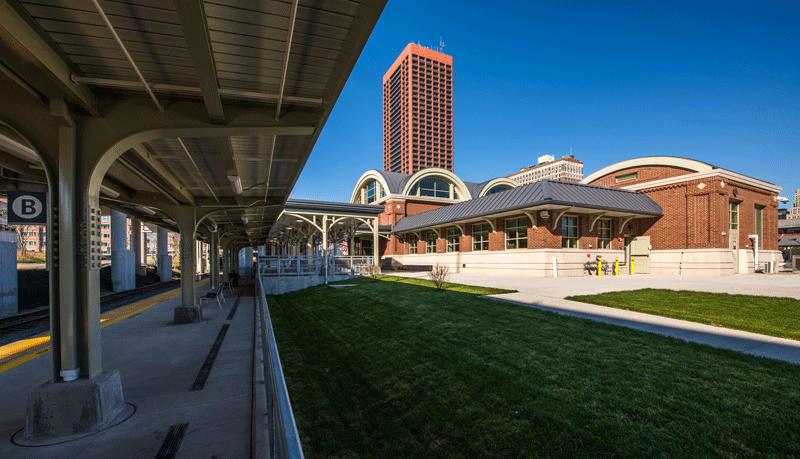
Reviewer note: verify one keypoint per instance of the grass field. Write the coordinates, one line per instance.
(396, 369)
(771, 316)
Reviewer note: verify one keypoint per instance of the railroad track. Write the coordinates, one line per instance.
(33, 320)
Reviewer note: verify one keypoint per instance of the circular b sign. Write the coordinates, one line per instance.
(26, 208)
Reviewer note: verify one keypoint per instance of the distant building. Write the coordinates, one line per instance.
(794, 212)
(418, 111)
(565, 169)
(782, 213)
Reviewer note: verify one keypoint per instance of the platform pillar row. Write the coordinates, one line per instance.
(140, 269)
(164, 259)
(123, 274)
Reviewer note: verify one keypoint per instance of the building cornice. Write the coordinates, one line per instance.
(743, 179)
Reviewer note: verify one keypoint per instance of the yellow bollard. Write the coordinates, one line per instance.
(599, 266)
(631, 266)
(616, 267)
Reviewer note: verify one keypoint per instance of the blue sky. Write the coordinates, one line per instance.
(715, 82)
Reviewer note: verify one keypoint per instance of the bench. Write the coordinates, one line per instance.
(214, 294)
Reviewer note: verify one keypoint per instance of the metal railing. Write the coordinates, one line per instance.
(279, 266)
(284, 440)
(276, 266)
(350, 265)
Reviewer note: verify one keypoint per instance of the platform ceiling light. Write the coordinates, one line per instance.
(236, 183)
(244, 219)
(108, 191)
(146, 210)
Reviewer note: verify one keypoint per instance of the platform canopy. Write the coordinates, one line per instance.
(217, 104)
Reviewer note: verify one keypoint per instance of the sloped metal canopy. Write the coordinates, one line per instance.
(220, 61)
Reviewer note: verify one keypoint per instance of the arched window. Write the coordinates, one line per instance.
(371, 192)
(432, 187)
(497, 189)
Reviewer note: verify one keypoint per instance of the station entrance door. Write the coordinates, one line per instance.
(639, 252)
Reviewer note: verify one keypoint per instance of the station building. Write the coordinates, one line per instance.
(663, 215)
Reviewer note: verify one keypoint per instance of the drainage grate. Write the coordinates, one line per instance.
(172, 441)
(233, 309)
(205, 370)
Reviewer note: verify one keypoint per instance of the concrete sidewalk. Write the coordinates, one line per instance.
(549, 294)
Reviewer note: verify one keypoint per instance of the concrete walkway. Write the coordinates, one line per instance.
(167, 377)
(549, 294)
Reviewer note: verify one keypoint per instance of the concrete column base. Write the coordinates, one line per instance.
(165, 267)
(123, 276)
(188, 315)
(66, 409)
(9, 300)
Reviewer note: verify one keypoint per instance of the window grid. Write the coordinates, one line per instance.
(569, 232)
(733, 215)
(453, 236)
(430, 242)
(517, 233)
(480, 237)
(604, 234)
(412, 244)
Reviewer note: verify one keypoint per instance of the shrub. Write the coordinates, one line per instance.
(439, 274)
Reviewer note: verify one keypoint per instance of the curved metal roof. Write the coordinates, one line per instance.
(539, 194)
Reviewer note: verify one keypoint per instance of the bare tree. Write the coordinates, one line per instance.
(175, 245)
(23, 235)
(374, 270)
(439, 274)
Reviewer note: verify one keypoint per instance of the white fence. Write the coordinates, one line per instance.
(276, 266)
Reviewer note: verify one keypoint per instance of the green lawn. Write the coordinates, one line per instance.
(396, 369)
(758, 314)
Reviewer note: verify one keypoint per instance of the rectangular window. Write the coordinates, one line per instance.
(453, 237)
(627, 177)
(412, 244)
(480, 236)
(733, 215)
(759, 225)
(430, 242)
(569, 232)
(604, 234)
(517, 233)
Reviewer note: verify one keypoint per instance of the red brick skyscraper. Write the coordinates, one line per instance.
(418, 111)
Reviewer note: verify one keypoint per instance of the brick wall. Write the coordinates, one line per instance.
(696, 211)
(643, 174)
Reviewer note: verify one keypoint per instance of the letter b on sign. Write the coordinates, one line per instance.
(27, 208)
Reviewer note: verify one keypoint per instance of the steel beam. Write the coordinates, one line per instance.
(19, 29)
(195, 29)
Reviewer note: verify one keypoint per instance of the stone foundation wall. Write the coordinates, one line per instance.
(281, 285)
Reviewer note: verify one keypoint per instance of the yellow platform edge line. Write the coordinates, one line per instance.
(11, 355)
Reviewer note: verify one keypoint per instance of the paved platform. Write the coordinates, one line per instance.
(549, 293)
(161, 367)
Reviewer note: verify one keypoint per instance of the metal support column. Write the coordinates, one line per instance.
(188, 311)
(213, 254)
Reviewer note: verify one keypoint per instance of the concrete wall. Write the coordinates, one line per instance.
(9, 304)
(536, 263)
(570, 263)
(281, 285)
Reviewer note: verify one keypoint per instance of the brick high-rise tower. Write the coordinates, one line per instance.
(418, 111)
